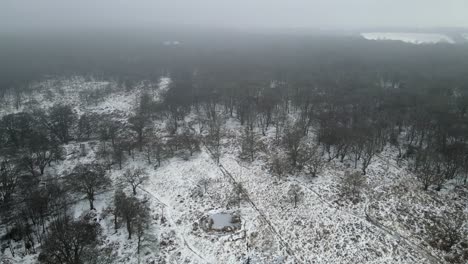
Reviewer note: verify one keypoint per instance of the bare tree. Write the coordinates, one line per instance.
(109, 129)
(351, 185)
(16, 128)
(203, 183)
(296, 193)
(357, 148)
(370, 150)
(40, 152)
(426, 168)
(133, 212)
(116, 207)
(278, 165)
(88, 179)
(279, 119)
(214, 137)
(190, 140)
(138, 123)
(118, 153)
(249, 144)
(158, 152)
(35, 210)
(61, 120)
(45, 152)
(9, 175)
(104, 155)
(446, 231)
(292, 141)
(153, 149)
(142, 221)
(135, 177)
(311, 158)
(28, 163)
(85, 127)
(238, 194)
(70, 242)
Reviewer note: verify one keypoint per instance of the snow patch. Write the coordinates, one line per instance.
(171, 43)
(413, 38)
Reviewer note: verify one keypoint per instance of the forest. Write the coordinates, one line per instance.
(117, 148)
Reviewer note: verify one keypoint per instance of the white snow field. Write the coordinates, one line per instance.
(413, 38)
(387, 226)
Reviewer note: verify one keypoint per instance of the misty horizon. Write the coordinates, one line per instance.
(233, 132)
(261, 15)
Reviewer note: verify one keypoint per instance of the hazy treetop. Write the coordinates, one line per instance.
(243, 14)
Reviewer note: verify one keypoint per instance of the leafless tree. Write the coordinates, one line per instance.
(189, 140)
(138, 123)
(238, 194)
(279, 119)
(296, 193)
(311, 158)
(446, 231)
(153, 149)
(142, 222)
(61, 120)
(118, 153)
(249, 144)
(9, 175)
(70, 242)
(110, 129)
(426, 168)
(214, 137)
(88, 179)
(135, 177)
(351, 185)
(203, 183)
(370, 150)
(292, 142)
(278, 166)
(133, 212)
(85, 127)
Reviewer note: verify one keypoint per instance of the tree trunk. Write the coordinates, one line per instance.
(140, 141)
(139, 245)
(129, 229)
(115, 221)
(91, 202)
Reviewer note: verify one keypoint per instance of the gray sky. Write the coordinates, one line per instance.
(325, 14)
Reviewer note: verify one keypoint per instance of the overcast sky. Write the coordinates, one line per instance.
(243, 14)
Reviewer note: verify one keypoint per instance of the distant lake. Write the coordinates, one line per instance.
(414, 38)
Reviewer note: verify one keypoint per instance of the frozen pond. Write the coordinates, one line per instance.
(221, 221)
(224, 222)
(414, 38)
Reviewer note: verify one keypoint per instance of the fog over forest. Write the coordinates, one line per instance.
(242, 14)
(221, 131)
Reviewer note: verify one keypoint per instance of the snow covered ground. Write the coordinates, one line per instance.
(387, 226)
(86, 96)
(413, 38)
